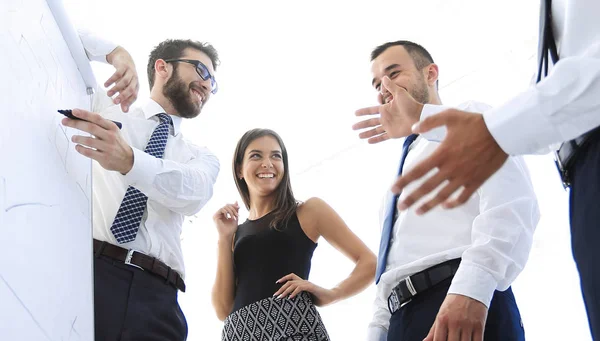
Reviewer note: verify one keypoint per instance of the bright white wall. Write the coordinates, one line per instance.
(45, 186)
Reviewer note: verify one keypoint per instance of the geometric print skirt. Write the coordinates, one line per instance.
(274, 319)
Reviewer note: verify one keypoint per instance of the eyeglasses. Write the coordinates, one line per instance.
(202, 71)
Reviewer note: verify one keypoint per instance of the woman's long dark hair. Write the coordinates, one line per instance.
(285, 203)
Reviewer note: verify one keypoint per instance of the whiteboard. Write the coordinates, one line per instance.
(46, 282)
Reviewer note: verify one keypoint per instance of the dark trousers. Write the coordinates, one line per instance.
(585, 228)
(414, 320)
(131, 304)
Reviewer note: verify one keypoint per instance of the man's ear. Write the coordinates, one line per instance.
(431, 74)
(162, 69)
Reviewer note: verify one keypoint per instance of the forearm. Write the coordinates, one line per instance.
(360, 278)
(183, 188)
(224, 286)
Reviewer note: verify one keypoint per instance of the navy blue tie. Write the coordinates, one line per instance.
(388, 223)
(129, 216)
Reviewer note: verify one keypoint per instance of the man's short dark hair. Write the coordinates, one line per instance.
(173, 49)
(418, 53)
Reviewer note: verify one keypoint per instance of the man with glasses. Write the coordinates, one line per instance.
(147, 177)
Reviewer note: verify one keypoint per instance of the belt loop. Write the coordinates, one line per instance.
(168, 273)
(428, 279)
(100, 249)
(153, 268)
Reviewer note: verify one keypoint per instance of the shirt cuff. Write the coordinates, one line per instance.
(474, 282)
(145, 167)
(376, 334)
(437, 134)
(96, 48)
(512, 124)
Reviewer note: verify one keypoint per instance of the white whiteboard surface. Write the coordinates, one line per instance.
(45, 185)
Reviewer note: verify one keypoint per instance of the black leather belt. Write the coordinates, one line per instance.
(140, 261)
(567, 153)
(421, 281)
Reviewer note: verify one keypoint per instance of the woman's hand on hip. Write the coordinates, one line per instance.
(294, 285)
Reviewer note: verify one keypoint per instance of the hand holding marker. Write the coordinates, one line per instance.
(69, 114)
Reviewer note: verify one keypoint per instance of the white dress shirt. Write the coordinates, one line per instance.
(492, 233)
(177, 185)
(565, 104)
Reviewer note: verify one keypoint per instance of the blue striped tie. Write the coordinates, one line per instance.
(129, 217)
(388, 223)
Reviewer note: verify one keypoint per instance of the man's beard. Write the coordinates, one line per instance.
(178, 93)
(420, 93)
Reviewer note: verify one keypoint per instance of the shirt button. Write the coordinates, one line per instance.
(392, 240)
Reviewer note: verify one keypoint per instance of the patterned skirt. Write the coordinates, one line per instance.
(274, 319)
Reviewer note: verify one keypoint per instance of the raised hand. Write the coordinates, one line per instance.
(125, 79)
(465, 159)
(226, 219)
(106, 145)
(394, 119)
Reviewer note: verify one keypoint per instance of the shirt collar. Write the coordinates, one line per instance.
(152, 108)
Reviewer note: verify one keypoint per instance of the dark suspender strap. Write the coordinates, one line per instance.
(548, 41)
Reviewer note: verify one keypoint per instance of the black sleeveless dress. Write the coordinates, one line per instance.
(261, 256)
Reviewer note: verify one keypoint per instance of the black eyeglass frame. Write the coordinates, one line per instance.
(200, 67)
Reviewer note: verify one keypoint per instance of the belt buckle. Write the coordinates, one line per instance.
(128, 259)
(393, 302)
(561, 171)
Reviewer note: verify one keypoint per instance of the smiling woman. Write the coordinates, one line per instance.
(260, 163)
(264, 263)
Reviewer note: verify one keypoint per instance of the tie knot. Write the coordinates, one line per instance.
(164, 118)
(410, 139)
